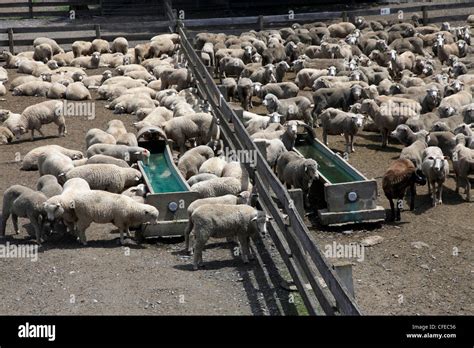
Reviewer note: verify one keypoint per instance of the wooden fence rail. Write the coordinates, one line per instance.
(57, 8)
(301, 256)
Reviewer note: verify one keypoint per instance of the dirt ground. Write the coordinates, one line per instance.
(105, 278)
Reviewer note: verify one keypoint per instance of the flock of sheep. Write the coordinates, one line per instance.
(404, 80)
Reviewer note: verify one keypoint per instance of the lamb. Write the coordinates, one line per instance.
(98, 136)
(453, 104)
(49, 186)
(120, 44)
(241, 198)
(213, 165)
(9, 119)
(274, 148)
(106, 177)
(219, 187)
(436, 168)
(137, 193)
(192, 160)
(6, 136)
(54, 163)
(59, 207)
(21, 201)
(105, 207)
(30, 161)
(297, 108)
(400, 175)
(298, 172)
(200, 177)
(281, 90)
(287, 135)
(77, 91)
(81, 48)
(463, 164)
(336, 122)
(245, 92)
(34, 116)
(32, 89)
(130, 154)
(220, 221)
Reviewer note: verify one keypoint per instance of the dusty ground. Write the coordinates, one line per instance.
(105, 278)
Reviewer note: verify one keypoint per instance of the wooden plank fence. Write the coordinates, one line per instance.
(56, 8)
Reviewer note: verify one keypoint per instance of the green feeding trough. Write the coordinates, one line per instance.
(168, 190)
(349, 197)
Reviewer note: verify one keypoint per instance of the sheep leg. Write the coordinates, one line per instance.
(412, 196)
(32, 134)
(15, 223)
(325, 137)
(398, 217)
(384, 137)
(392, 208)
(348, 145)
(81, 231)
(468, 190)
(198, 248)
(440, 193)
(3, 226)
(36, 225)
(244, 247)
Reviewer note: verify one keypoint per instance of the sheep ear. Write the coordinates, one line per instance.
(254, 218)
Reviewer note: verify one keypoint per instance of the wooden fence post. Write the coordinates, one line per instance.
(101, 8)
(10, 41)
(97, 31)
(425, 15)
(30, 8)
(260, 22)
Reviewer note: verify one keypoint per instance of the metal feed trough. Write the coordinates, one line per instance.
(349, 197)
(169, 191)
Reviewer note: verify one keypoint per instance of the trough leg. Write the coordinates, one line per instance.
(244, 246)
(15, 223)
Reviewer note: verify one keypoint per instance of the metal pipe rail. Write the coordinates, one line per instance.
(291, 236)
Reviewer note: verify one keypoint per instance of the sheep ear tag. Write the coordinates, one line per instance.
(254, 218)
(72, 205)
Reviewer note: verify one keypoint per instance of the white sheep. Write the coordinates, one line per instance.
(116, 128)
(34, 116)
(224, 221)
(436, 169)
(200, 177)
(30, 161)
(77, 91)
(130, 154)
(98, 136)
(106, 177)
(120, 44)
(54, 163)
(49, 186)
(32, 89)
(214, 165)
(219, 187)
(192, 160)
(129, 139)
(6, 136)
(137, 193)
(57, 91)
(274, 148)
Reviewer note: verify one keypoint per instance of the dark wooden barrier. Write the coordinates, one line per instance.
(34, 9)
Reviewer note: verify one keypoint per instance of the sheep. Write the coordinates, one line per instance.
(422, 122)
(298, 172)
(101, 46)
(43, 52)
(32, 68)
(91, 62)
(105, 207)
(56, 49)
(414, 151)
(400, 175)
(59, 208)
(446, 124)
(220, 221)
(3, 90)
(213, 165)
(130, 103)
(32, 89)
(113, 60)
(463, 164)
(124, 81)
(6, 136)
(116, 128)
(296, 108)
(192, 160)
(280, 69)
(273, 55)
(241, 198)
(49, 186)
(336, 122)
(127, 139)
(341, 98)
(405, 135)
(245, 92)
(140, 75)
(96, 80)
(77, 91)
(181, 78)
(17, 81)
(458, 49)
(228, 88)
(400, 62)
(263, 75)
(436, 168)
(81, 48)
(98, 136)
(453, 104)
(34, 116)
(21, 201)
(106, 177)
(130, 154)
(200, 177)
(219, 187)
(306, 77)
(30, 160)
(54, 163)
(274, 148)
(120, 44)
(102, 159)
(281, 90)
(56, 91)
(341, 30)
(229, 66)
(64, 58)
(287, 135)
(156, 118)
